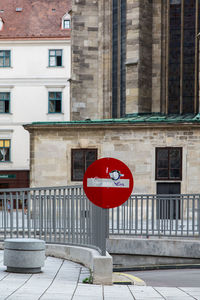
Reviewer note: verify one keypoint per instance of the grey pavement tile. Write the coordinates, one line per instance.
(179, 298)
(117, 292)
(93, 297)
(89, 290)
(144, 292)
(172, 292)
(56, 296)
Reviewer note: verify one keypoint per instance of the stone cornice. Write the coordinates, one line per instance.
(112, 126)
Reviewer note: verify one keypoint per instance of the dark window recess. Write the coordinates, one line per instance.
(168, 207)
(182, 19)
(81, 160)
(168, 163)
(118, 58)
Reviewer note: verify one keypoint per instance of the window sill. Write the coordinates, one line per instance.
(6, 162)
(59, 67)
(53, 114)
(6, 67)
(6, 114)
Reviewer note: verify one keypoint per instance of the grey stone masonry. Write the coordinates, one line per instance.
(91, 48)
(23, 255)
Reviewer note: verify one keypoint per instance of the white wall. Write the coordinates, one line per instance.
(29, 80)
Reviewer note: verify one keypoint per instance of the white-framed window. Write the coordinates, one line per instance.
(1, 24)
(5, 150)
(66, 21)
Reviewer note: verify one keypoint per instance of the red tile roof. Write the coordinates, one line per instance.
(38, 18)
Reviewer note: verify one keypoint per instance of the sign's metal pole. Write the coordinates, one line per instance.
(104, 229)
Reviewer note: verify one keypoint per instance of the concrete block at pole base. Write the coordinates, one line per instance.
(24, 255)
(102, 269)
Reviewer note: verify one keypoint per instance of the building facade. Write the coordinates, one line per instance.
(34, 73)
(134, 96)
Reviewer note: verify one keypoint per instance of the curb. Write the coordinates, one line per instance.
(127, 279)
(157, 267)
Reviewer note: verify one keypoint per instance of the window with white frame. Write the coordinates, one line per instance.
(1, 24)
(55, 102)
(5, 58)
(4, 102)
(55, 58)
(66, 22)
(5, 147)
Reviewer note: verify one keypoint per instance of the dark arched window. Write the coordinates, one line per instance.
(183, 57)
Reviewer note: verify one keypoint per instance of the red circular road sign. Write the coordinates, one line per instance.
(108, 182)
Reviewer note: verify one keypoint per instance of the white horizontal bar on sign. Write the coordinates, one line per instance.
(104, 182)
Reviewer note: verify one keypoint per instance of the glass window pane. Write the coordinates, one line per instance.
(1, 143)
(7, 143)
(7, 106)
(91, 155)
(162, 154)
(51, 95)
(78, 174)
(1, 61)
(58, 95)
(175, 158)
(52, 52)
(58, 106)
(52, 61)
(2, 108)
(59, 61)
(174, 173)
(58, 52)
(51, 106)
(7, 61)
(162, 173)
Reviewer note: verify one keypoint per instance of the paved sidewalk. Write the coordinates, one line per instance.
(62, 279)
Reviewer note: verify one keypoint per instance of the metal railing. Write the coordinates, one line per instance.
(157, 215)
(56, 214)
(65, 215)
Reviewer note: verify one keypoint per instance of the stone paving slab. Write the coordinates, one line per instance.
(62, 280)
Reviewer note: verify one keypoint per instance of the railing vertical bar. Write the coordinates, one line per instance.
(45, 205)
(59, 214)
(141, 216)
(136, 214)
(40, 215)
(152, 223)
(182, 214)
(11, 215)
(83, 216)
(130, 214)
(72, 215)
(147, 216)
(5, 219)
(50, 216)
(80, 216)
(193, 213)
(28, 214)
(77, 216)
(64, 215)
(187, 217)
(17, 214)
(54, 211)
(68, 216)
(34, 213)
